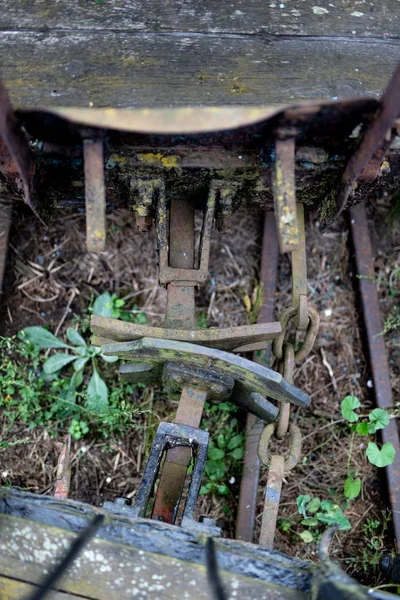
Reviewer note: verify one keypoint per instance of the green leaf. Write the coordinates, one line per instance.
(352, 488)
(327, 505)
(306, 536)
(235, 442)
(237, 453)
(75, 382)
(103, 305)
(347, 407)
(380, 458)
(314, 505)
(363, 429)
(41, 338)
(215, 453)
(221, 440)
(141, 318)
(344, 524)
(80, 363)
(109, 359)
(75, 337)
(97, 393)
(310, 522)
(205, 489)
(302, 501)
(223, 490)
(379, 418)
(57, 362)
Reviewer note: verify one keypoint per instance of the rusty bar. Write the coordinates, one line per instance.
(373, 140)
(63, 475)
(284, 192)
(377, 351)
(254, 426)
(180, 298)
(5, 225)
(271, 502)
(95, 195)
(172, 480)
(299, 273)
(180, 313)
(17, 145)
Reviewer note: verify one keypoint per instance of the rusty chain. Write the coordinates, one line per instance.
(306, 319)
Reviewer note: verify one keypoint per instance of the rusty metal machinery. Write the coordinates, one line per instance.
(166, 165)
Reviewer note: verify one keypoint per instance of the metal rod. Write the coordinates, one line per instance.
(377, 351)
(5, 225)
(271, 502)
(180, 298)
(251, 465)
(180, 312)
(95, 195)
(299, 273)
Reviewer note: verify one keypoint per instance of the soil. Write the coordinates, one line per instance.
(50, 280)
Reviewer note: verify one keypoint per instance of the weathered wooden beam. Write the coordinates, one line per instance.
(113, 571)
(102, 68)
(12, 589)
(342, 18)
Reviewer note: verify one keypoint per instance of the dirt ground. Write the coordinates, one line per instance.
(337, 367)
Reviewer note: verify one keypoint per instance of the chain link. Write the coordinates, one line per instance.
(309, 339)
(284, 407)
(306, 318)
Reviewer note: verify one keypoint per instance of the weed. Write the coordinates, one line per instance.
(225, 450)
(392, 321)
(82, 354)
(380, 457)
(316, 512)
(34, 391)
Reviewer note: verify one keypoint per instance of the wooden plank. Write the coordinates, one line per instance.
(110, 571)
(346, 18)
(151, 70)
(11, 589)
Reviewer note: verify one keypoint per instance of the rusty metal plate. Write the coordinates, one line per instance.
(249, 374)
(227, 338)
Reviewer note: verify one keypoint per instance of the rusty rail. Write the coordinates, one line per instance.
(377, 351)
(251, 465)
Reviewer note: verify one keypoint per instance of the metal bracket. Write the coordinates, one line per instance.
(190, 277)
(250, 375)
(171, 435)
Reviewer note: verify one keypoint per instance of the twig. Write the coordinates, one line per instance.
(330, 371)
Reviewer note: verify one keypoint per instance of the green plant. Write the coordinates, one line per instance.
(314, 512)
(225, 450)
(82, 354)
(109, 305)
(392, 321)
(78, 429)
(380, 457)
